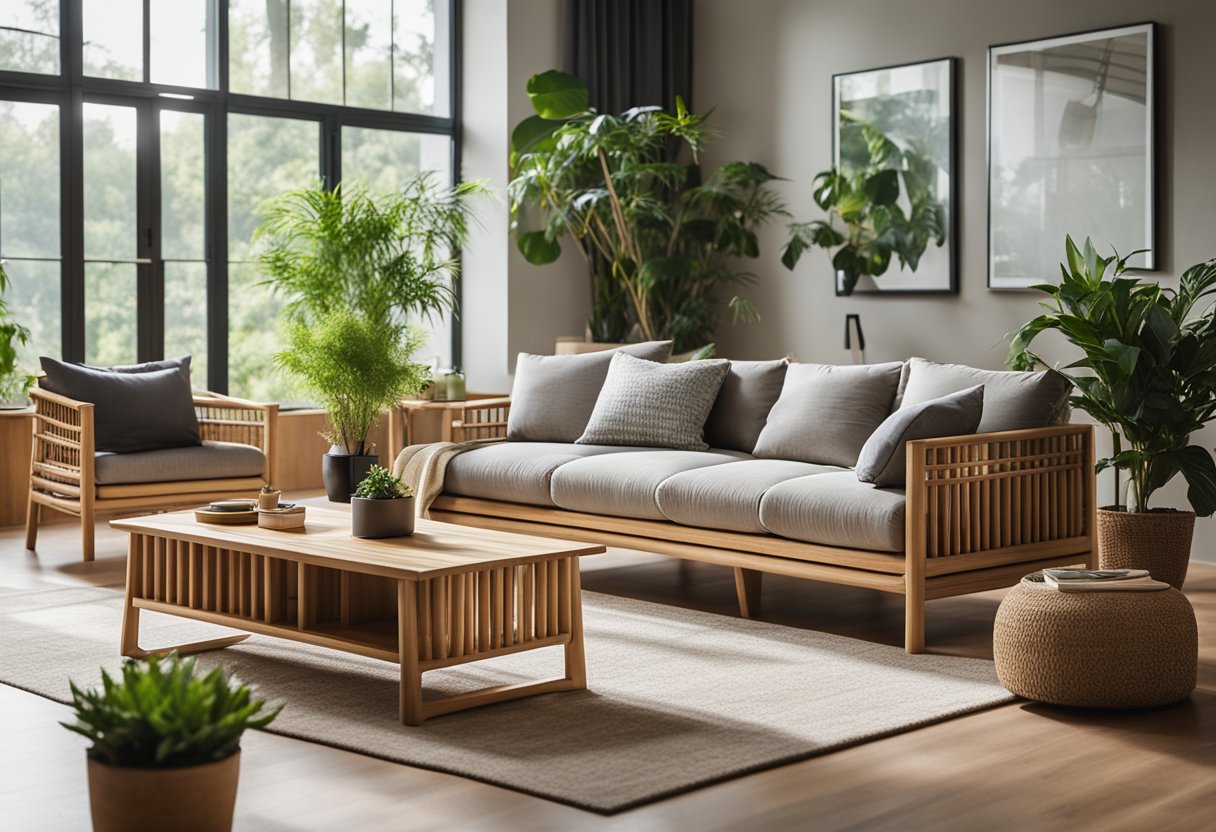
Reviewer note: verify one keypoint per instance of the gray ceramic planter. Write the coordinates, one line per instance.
(382, 518)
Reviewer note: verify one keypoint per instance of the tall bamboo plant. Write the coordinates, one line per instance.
(1148, 354)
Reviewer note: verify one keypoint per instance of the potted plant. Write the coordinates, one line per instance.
(356, 272)
(1149, 356)
(382, 506)
(14, 384)
(864, 197)
(166, 745)
(658, 235)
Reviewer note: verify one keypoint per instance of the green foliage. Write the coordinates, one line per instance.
(357, 367)
(657, 236)
(13, 383)
(865, 197)
(1149, 362)
(160, 715)
(380, 484)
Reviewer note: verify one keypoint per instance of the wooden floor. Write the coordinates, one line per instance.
(1018, 767)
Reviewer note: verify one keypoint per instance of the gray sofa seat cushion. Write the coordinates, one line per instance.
(625, 484)
(884, 458)
(748, 393)
(553, 395)
(728, 496)
(1012, 400)
(208, 461)
(836, 510)
(515, 472)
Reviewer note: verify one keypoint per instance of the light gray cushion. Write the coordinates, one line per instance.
(728, 496)
(624, 484)
(836, 510)
(748, 393)
(517, 472)
(883, 459)
(826, 413)
(652, 405)
(553, 395)
(132, 411)
(1012, 400)
(208, 461)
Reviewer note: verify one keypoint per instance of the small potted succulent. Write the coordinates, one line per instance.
(382, 506)
(166, 745)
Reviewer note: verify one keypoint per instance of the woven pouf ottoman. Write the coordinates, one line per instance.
(1096, 649)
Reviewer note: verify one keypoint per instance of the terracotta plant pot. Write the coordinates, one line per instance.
(382, 518)
(199, 798)
(1157, 540)
(342, 473)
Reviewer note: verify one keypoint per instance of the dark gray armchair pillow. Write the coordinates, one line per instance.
(181, 364)
(553, 395)
(747, 395)
(884, 459)
(132, 411)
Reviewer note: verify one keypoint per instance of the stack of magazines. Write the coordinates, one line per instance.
(1102, 580)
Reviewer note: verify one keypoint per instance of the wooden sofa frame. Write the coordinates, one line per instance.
(61, 465)
(982, 511)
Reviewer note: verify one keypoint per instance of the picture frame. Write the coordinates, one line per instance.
(916, 105)
(1072, 137)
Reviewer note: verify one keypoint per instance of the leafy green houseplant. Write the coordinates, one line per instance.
(382, 506)
(165, 743)
(1148, 356)
(660, 237)
(14, 383)
(867, 224)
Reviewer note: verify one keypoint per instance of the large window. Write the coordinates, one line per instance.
(141, 137)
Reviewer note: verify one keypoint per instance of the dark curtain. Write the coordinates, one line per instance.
(631, 53)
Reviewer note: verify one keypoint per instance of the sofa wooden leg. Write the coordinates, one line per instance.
(33, 514)
(914, 617)
(747, 586)
(87, 534)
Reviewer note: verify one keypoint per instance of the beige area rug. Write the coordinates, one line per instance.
(677, 699)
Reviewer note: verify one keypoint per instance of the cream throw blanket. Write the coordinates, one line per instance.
(423, 468)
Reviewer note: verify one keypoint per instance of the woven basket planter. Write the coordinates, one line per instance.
(1096, 649)
(1159, 541)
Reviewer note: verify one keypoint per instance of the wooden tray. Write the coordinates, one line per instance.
(226, 518)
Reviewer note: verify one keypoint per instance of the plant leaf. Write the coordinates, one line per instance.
(537, 248)
(556, 95)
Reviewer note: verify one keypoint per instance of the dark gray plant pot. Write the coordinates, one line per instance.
(342, 474)
(382, 518)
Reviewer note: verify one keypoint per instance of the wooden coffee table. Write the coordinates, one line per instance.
(444, 596)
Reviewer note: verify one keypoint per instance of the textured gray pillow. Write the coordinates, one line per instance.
(553, 395)
(132, 411)
(826, 413)
(655, 405)
(747, 395)
(883, 459)
(1012, 400)
(181, 364)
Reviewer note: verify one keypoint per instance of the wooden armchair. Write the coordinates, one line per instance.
(62, 474)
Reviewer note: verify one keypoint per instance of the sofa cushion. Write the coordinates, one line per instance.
(625, 484)
(515, 472)
(748, 393)
(836, 510)
(553, 395)
(132, 411)
(826, 413)
(1012, 400)
(884, 458)
(181, 364)
(728, 496)
(208, 461)
(651, 405)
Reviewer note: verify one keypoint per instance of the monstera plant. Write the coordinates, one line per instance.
(867, 224)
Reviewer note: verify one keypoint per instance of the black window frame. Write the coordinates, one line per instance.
(71, 88)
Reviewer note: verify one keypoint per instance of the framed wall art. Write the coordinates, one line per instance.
(1071, 124)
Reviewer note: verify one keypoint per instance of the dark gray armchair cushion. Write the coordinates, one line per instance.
(884, 459)
(747, 395)
(132, 411)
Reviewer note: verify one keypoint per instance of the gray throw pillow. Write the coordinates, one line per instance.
(747, 395)
(884, 459)
(653, 405)
(181, 364)
(132, 411)
(553, 395)
(1012, 400)
(826, 413)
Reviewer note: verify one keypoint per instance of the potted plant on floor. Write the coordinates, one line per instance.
(166, 745)
(1149, 356)
(357, 272)
(382, 506)
(14, 384)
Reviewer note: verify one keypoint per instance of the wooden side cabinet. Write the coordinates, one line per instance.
(16, 436)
